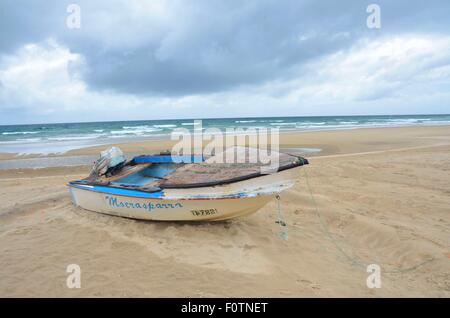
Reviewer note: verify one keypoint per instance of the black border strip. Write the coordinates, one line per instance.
(288, 307)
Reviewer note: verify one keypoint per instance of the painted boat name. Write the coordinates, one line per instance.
(115, 202)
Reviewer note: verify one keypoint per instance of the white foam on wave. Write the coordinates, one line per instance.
(190, 124)
(29, 139)
(403, 120)
(165, 126)
(119, 136)
(311, 123)
(123, 132)
(20, 132)
(21, 141)
(283, 124)
(439, 122)
(271, 121)
(134, 130)
(68, 138)
(135, 127)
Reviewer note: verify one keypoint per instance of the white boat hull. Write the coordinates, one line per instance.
(168, 210)
(194, 204)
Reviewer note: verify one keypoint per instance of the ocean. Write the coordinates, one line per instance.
(59, 138)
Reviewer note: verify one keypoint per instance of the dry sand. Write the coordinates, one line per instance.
(383, 196)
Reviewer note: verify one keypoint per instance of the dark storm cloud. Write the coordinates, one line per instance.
(195, 47)
(218, 46)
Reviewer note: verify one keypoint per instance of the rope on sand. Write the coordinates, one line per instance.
(353, 260)
(283, 226)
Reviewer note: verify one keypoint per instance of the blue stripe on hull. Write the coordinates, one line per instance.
(120, 191)
(168, 158)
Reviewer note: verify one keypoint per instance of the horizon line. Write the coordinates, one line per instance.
(218, 118)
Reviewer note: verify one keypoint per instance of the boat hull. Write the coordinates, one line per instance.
(215, 203)
(216, 209)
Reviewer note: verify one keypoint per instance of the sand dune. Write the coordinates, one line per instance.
(379, 196)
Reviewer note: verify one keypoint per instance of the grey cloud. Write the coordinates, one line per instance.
(25, 21)
(217, 47)
(207, 46)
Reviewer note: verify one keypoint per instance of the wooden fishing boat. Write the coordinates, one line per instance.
(168, 187)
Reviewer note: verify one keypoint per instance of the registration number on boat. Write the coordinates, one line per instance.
(204, 212)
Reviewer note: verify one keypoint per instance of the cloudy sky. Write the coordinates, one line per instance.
(159, 59)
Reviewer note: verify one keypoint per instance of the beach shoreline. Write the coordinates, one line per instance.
(140, 145)
(49, 139)
(380, 196)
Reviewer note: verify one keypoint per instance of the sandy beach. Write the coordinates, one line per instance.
(379, 196)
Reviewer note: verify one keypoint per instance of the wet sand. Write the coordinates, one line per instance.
(379, 196)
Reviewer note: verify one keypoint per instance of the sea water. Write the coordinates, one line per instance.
(59, 138)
